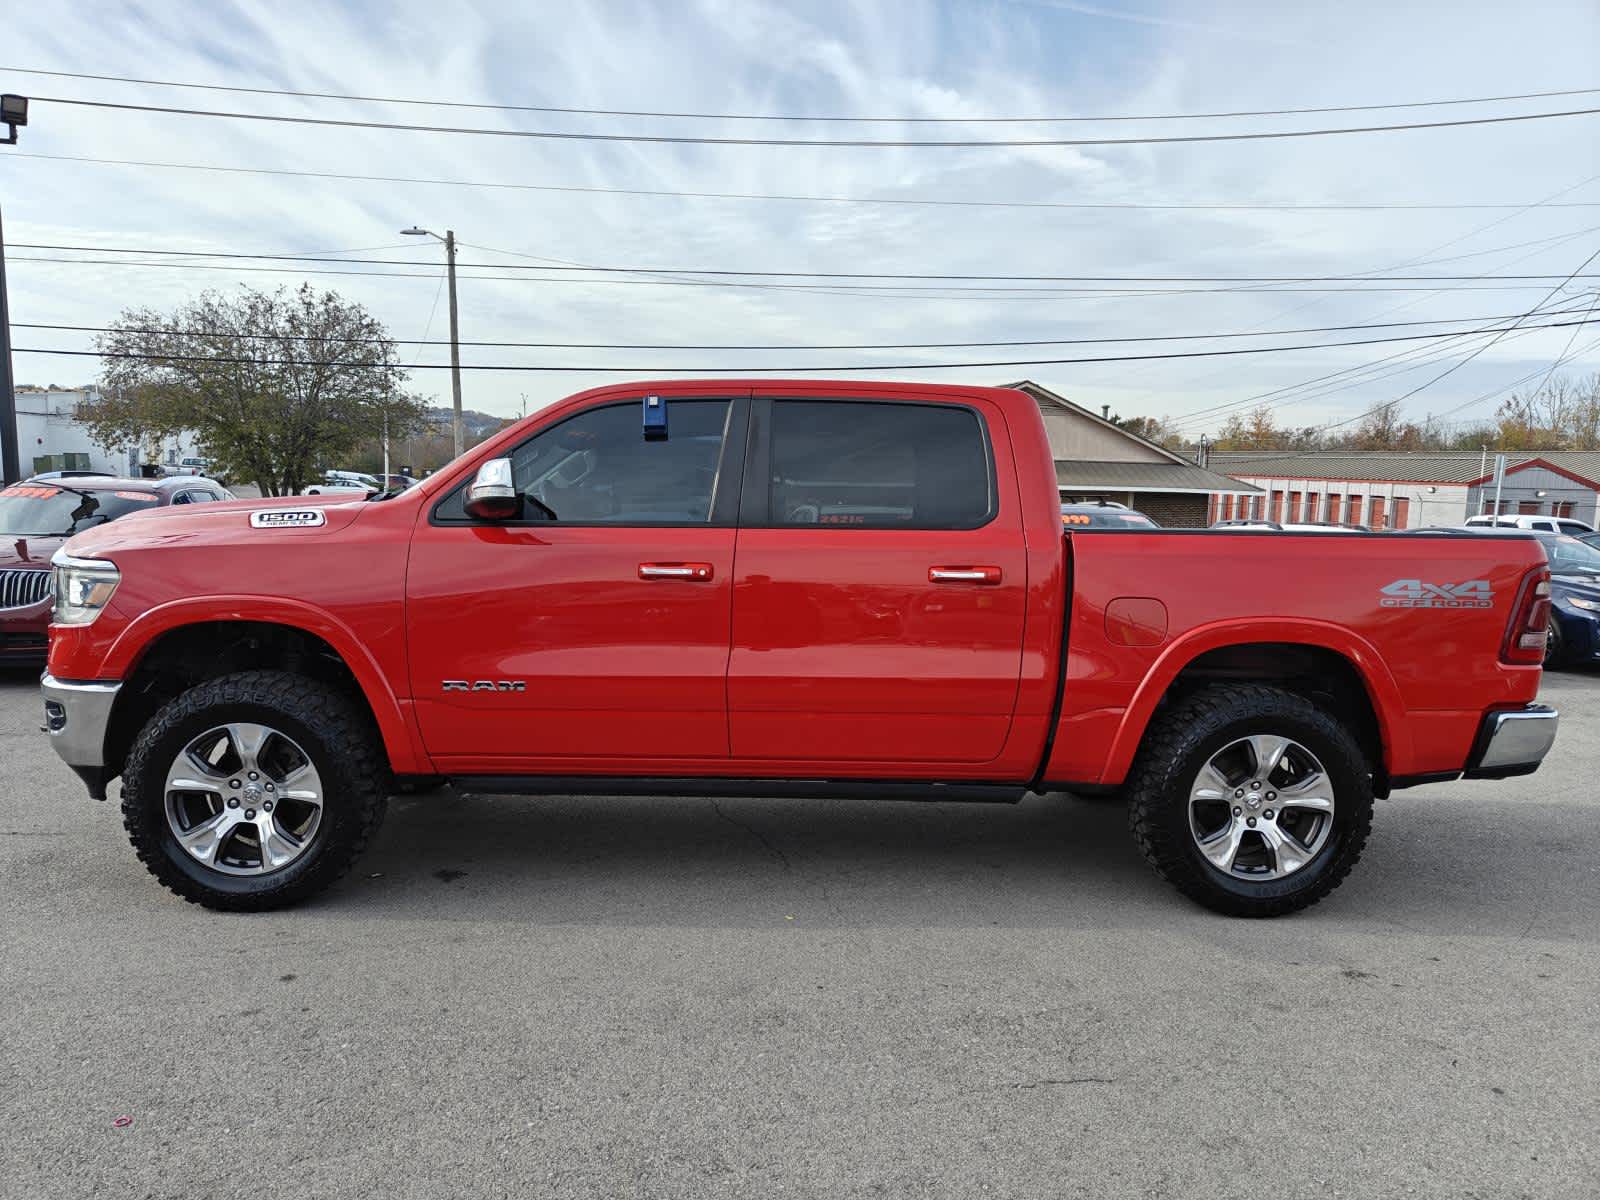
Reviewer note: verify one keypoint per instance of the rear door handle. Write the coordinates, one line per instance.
(979, 575)
(692, 572)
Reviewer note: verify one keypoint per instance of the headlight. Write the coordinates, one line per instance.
(83, 587)
(1586, 605)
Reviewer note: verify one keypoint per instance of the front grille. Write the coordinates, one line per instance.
(18, 589)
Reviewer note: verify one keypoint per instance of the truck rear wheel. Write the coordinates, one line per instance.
(253, 791)
(1251, 800)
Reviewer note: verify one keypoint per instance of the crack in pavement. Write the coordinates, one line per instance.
(771, 849)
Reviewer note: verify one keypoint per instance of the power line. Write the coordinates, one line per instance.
(481, 184)
(1566, 351)
(1499, 335)
(1322, 386)
(1565, 357)
(1429, 256)
(1309, 389)
(721, 273)
(706, 116)
(878, 290)
(1457, 366)
(1165, 337)
(835, 369)
(857, 143)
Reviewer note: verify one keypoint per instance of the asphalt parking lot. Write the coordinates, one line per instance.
(652, 998)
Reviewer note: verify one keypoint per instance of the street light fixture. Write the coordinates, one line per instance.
(449, 240)
(13, 112)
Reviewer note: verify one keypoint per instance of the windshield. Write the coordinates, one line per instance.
(42, 510)
(1569, 556)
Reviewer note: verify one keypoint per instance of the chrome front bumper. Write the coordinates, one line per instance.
(76, 716)
(1513, 741)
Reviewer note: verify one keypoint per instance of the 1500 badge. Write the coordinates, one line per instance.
(1414, 593)
(286, 518)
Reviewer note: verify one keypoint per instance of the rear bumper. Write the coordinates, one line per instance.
(76, 715)
(1512, 741)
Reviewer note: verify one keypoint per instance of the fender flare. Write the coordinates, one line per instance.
(400, 739)
(1382, 690)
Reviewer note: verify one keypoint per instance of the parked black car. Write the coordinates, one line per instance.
(1104, 516)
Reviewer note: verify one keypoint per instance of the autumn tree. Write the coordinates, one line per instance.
(274, 386)
(1254, 430)
(1152, 429)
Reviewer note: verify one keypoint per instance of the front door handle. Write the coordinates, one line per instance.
(979, 575)
(692, 572)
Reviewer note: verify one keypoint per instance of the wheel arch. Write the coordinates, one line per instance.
(176, 646)
(1327, 662)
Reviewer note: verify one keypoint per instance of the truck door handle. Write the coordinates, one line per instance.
(692, 572)
(979, 575)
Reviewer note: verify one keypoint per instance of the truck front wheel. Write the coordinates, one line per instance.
(253, 791)
(1251, 800)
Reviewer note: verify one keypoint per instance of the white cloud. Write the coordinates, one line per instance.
(910, 58)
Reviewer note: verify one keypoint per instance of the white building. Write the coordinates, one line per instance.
(1397, 489)
(51, 438)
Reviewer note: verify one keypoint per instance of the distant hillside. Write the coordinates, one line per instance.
(474, 424)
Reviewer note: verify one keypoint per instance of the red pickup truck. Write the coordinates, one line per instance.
(777, 589)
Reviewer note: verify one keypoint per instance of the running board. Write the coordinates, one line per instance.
(789, 789)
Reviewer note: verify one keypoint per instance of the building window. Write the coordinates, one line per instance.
(1402, 512)
(1352, 512)
(1294, 507)
(1375, 517)
(1529, 507)
(1277, 505)
(1563, 508)
(1311, 506)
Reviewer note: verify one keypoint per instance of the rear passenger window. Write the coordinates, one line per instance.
(869, 465)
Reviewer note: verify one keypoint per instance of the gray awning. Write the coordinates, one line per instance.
(1144, 477)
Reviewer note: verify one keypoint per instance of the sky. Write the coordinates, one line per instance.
(894, 58)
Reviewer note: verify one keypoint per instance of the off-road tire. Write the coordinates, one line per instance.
(339, 738)
(1183, 739)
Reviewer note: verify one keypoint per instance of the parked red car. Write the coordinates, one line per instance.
(38, 515)
(778, 588)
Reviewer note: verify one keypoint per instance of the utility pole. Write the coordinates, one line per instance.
(455, 339)
(13, 113)
(449, 240)
(386, 449)
(10, 458)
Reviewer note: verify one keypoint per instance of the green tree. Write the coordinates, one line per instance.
(275, 386)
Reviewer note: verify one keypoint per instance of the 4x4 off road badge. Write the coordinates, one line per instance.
(286, 518)
(1414, 593)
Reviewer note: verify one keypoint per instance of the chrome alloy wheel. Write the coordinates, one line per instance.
(244, 799)
(1261, 808)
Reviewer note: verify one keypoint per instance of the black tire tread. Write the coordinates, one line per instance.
(313, 703)
(1174, 735)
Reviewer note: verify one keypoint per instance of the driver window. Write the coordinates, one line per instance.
(597, 468)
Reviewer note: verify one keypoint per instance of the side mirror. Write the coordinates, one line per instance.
(491, 496)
